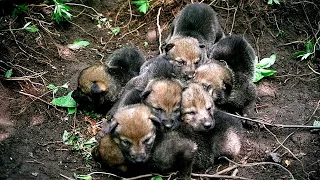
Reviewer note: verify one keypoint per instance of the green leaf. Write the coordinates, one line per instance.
(32, 28)
(267, 72)
(139, 3)
(78, 44)
(8, 73)
(85, 177)
(72, 110)
(309, 47)
(65, 137)
(316, 123)
(270, 1)
(298, 54)
(305, 56)
(144, 8)
(145, 44)
(91, 141)
(276, 1)
(156, 178)
(257, 76)
(115, 30)
(267, 62)
(23, 7)
(53, 88)
(64, 101)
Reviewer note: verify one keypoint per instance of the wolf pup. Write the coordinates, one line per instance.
(195, 27)
(218, 78)
(127, 139)
(99, 86)
(215, 132)
(240, 57)
(163, 96)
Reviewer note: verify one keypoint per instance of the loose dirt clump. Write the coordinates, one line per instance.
(31, 129)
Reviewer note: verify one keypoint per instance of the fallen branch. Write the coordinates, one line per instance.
(218, 176)
(259, 163)
(274, 125)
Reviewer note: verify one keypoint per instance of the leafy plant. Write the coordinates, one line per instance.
(260, 71)
(55, 88)
(79, 143)
(156, 178)
(115, 30)
(143, 5)
(78, 44)
(273, 1)
(61, 11)
(316, 123)
(19, 9)
(66, 101)
(85, 177)
(8, 73)
(308, 53)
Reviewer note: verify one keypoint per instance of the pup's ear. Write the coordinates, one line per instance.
(110, 126)
(168, 47)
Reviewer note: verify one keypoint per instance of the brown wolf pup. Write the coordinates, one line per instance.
(99, 86)
(215, 132)
(163, 96)
(197, 108)
(217, 77)
(127, 139)
(240, 57)
(195, 28)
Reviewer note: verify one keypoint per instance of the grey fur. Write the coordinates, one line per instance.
(240, 57)
(199, 21)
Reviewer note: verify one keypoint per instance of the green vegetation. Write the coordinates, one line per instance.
(156, 178)
(273, 1)
(79, 143)
(309, 52)
(61, 11)
(115, 30)
(18, 10)
(143, 5)
(260, 71)
(63, 101)
(8, 73)
(78, 44)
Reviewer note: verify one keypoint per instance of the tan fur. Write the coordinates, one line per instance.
(165, 94)
(95, 73)
(197, 106)
(185, 49)
(110, 153)
(133, 124)
(215, 75)
(232, 143)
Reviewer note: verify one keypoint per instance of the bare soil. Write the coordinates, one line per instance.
(31, 129)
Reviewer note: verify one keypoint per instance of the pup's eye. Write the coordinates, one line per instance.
(158, 109)
(191, 113)
(209, 108)
(126, 143)
(149, 140)
(177, 111)
(180, 63)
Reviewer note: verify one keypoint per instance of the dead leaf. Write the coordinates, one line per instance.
(66, 53)
(275, 157)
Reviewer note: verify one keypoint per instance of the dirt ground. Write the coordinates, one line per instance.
(31, 129)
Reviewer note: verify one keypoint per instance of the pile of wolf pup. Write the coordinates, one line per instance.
(167, 114)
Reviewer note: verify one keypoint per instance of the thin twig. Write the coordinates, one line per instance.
(275, 125)
(74, 4)
(290, 43)
(259, 163)
(105, 173)
(159, 30)
(281, 144)
(219, 176)
(314, 71)
(132, 31)
(30, 95)
(129, 1)
(234, 18)
(69, 178)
